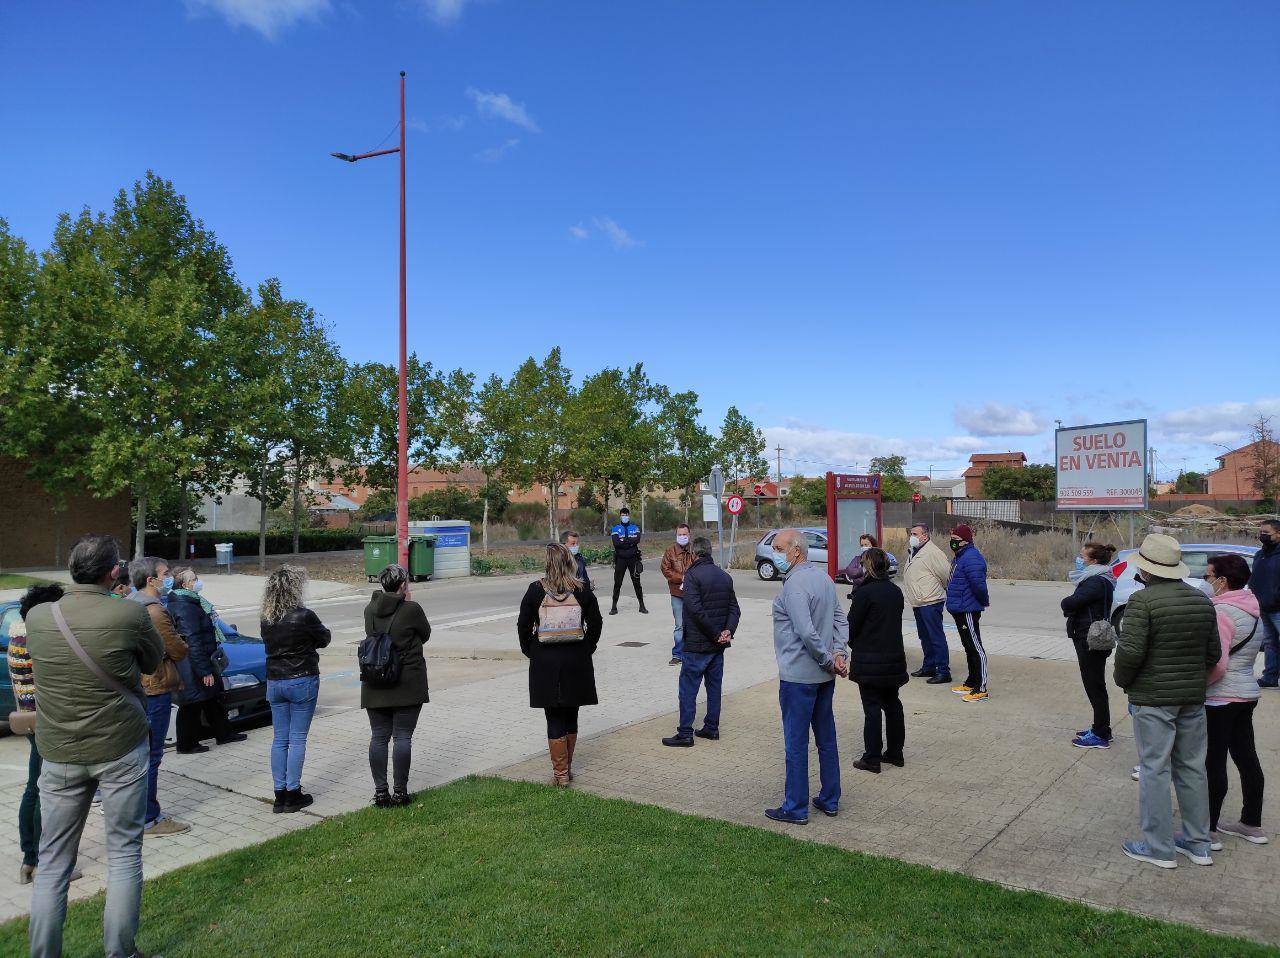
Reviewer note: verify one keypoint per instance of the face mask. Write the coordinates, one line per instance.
(956, 544)
(166, 584)
(573, 550)
(197, 586)
(914, 542)
(1079, 563)
(1213, 585)
(1264, 538)
(781, 562)
(624, 519)
(682, 540)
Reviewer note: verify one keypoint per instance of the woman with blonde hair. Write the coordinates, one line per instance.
(559, 628)
(292, 634)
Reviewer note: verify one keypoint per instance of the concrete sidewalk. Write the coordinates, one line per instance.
(993, 790)
(233, 592)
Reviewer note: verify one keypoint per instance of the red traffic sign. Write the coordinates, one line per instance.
(759, 489)
(734, 505)
(915, 497)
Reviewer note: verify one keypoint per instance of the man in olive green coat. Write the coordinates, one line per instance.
(92, 732)
(1167, 643)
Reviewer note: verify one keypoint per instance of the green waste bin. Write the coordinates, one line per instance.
(422, 557)
(379, 552)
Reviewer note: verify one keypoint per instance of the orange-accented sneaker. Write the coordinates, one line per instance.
(975, 696)
(962, 689)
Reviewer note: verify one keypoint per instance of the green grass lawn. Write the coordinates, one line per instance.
(11, 580)
(490, 867)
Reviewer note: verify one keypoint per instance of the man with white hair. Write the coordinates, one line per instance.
(811, 643)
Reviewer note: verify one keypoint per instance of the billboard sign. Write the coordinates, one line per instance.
(1103, 466)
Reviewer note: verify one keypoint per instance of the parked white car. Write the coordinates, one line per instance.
(1195, 555)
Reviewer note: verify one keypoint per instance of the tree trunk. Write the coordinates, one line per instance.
(183, 519)
(59, 512)
(688, 498)
(297, 501)
(553, 500)
(262, 518)
(140, 533)
(484, 527)
(643, 527)
(604, 510)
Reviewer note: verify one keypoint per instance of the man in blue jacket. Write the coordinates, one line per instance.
(966, 599)
(626, 558)
(711, 617)
(1264, 583)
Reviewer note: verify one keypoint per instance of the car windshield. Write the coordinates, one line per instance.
(7, 618)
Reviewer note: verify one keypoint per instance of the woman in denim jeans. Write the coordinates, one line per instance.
(292, 634)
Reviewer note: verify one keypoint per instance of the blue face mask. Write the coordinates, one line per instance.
(166, 585)
(1079, 563)
(781, 562)
(573, 550)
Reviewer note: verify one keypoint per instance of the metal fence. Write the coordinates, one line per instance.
(1009, 510)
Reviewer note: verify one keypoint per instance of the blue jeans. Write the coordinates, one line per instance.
(1270, 647)
(293, 703)
(694, 667)
(806, 706)
(65, 794)
(933, 640)
(159, 708)
(677, 637)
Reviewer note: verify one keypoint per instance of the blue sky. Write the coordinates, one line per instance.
(928, 228)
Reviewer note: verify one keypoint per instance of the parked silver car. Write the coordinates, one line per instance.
(1196, 555)
(816, 538)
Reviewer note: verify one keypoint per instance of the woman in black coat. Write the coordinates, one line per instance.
(559, 628)
(201, 695)
(1090, 603)
(393, 711)
(877, 662)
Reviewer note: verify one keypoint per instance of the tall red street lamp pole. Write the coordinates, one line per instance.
(402, 459)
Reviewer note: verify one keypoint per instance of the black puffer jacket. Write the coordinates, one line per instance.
(196, 627)
(1090, 603)
(293, 643)
(709, 607)
(876, 656)
(1168, 641)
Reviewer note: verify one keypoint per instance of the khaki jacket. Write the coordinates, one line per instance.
(166, 678)
(79, 720)
(924, 580)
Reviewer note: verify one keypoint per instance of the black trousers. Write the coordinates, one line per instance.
(1231, 733)
(1093, 674)
(386, 724)
(620, 568)
(974, 653)
(189, 730)
(562, 721)
(878, 701)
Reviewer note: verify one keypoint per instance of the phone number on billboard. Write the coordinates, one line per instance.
(1075, 492)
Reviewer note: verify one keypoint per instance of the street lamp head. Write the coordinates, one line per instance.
(402, 73)
(344, 156)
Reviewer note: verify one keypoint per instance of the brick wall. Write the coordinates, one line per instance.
(32, 535)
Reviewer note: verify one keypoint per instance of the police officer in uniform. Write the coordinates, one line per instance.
(626, 557)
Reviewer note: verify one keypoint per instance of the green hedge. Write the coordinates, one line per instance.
(246, 543)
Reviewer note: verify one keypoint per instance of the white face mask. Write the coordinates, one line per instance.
(573, 550)
(682, 540)
(197, 586)
(914, 542)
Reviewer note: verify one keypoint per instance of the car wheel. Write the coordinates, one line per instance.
(766, 570)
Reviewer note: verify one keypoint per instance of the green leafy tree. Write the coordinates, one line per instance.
(685, 450)
(614, 442)
(894, 486)
(1032, 483)
(740, 447)
(1192, 483)
(808, 496)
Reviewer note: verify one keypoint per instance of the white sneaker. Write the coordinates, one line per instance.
(1134, 774)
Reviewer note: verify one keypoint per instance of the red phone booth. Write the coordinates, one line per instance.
(853, 509)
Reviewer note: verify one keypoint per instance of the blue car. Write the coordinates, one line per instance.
(244, 681)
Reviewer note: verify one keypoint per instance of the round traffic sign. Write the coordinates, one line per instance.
(759, 489)
(915, 497)
(734, 505)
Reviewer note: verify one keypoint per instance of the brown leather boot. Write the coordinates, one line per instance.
(559, 749)
(572, 739)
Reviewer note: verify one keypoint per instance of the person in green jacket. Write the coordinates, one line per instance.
(91, 732)
(1168, 640)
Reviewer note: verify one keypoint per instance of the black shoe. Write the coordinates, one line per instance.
(643, 610)
(192, 749)
(238, 737)
(679, 741)
(939, 679)
(706, 733)
(382, 799)
(829, 812)
(400, 799)
(922, 673)
(897, 760)
(282, 799)
(614, 610)
(867, 766)
(675, 660)
(296, 800)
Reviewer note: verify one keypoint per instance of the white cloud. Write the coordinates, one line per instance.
(494, 153)
(501, 107)
(444, 11)
(997, 419)
(268, 17)
(815, 449)
(616, 235)
(413, 123)
(449, 123)
(579, 232)
(1226, 422)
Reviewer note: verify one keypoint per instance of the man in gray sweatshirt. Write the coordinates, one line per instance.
(811, 643)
